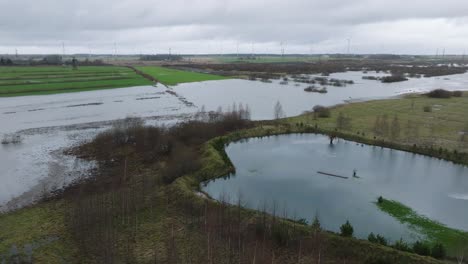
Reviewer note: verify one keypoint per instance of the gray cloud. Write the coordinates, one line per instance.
(214, 26)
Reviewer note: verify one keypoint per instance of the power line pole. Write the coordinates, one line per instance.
(252, 49)
(63, 49)
(282, 49)
(349, 45)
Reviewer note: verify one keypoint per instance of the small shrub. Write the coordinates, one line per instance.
(421, 248)
(427, 108)
(280, 235)
(439, 93)
(377, 239)
(372, 238)
(394, 78)
(380, 200)
(302, 221)
(402, 246)
(438, 251)
(457, 94)
(316, 226)
(321, 111)
(381, 240)
(378, 260)
(347, 229)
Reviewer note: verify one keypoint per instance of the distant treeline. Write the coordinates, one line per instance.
(50, 60)
(161, 57)
(412, 69)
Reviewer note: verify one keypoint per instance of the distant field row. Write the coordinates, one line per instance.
(172, 77)
(18, 81)
(62, 69)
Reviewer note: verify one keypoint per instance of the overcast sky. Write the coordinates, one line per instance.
(220, 26)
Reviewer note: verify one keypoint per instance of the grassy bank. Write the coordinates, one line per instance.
(437, 130)
(36, 233)
(173, 77)
(39, 80)
(435, 231)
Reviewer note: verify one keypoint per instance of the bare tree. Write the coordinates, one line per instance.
(464, 136)
(377, 128)
(343, 122)
(462, 250)
(412, 130)
(395, 128)
(278, 111)
(384, 125)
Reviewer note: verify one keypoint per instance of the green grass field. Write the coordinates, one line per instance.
(434, 231)
(172, 77)
(39, 80)
(439, 128)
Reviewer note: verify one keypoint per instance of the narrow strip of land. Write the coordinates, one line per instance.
(332, 175)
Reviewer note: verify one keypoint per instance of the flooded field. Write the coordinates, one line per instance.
(286, 170)
(261, 97)
(48, 124)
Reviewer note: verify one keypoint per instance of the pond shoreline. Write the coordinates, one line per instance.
(217, 164)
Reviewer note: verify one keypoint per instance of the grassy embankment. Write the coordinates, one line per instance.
(39, 80)
(173, 77)
(439, 128)
(435, 231)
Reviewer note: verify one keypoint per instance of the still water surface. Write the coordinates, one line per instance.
(284, 169)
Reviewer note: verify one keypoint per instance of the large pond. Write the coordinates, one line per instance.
(283, 170)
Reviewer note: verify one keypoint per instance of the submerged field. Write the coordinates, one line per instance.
(18, 81)
(172, 77)
(435, 231)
